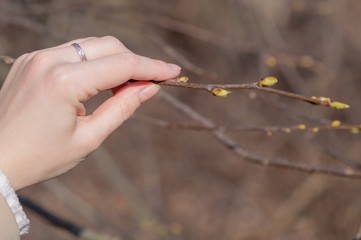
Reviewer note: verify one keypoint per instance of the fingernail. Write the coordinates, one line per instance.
(148, 92)
(174, 67)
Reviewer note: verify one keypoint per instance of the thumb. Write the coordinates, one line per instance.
(94, 128)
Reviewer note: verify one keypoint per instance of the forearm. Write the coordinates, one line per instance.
(8, 228)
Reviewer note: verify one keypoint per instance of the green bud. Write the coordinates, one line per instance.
(267, 82)
(220, 92)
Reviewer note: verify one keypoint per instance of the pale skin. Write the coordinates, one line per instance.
(44, 128)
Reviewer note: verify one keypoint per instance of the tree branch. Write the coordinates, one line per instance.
(254, 86)
(354, 129)
(228, 142)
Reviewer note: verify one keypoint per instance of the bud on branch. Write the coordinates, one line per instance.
(220, 90)
(267, 82)
(328, 102)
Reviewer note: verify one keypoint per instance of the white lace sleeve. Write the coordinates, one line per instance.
(13, 201)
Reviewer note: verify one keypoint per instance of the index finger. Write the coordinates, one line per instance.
(111, 71)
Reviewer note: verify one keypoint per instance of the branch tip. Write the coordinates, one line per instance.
(330, 103)
(339, 105)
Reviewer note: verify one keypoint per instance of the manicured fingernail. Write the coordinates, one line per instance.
(148, 92)
(174, 67)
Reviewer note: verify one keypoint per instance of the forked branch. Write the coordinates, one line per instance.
(252, 157)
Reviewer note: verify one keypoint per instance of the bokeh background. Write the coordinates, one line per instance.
(150, 182)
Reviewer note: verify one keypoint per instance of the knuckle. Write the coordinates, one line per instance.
(38, 63)
(59, 74)
(114, 42)
(131, 59)
(40, 58)
(158, 68)
(88, 38)
(162, 66)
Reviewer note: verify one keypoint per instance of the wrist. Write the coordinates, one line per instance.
(6, 170)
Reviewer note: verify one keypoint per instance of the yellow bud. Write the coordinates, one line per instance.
(8, 60)
(339, 105)
(147, 225)
(314, 130)
(335, 123)
(267, 82)
(307, 61)
(328, 102)
(161, 229)
(176, 228)
(286, 130)
(219, 92)
(182, 79)
(271, 61)
(269, 133)
(301, 126)
(355, 130)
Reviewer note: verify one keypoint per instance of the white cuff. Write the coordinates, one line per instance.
(13, 201)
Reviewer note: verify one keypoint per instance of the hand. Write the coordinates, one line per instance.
(44, 129)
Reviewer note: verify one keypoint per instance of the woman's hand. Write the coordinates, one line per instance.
(44, 129)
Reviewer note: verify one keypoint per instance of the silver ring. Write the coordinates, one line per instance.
(80, 52)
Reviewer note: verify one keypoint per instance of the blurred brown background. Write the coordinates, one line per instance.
(148, 182)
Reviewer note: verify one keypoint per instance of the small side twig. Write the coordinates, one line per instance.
(7, 59)
(354, 129)
(69, 226)
(358, 234)
(252, 157)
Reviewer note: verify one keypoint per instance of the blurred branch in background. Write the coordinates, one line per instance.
(69, 226)
(252, 157)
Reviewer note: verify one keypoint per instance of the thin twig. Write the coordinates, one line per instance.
(247, 86)
(269, 130)
(290, 210)
(228, 142)
(335, 154)
(81, 207)
(32, 26)
(69, 226)
(266, 129)
(358, 234)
